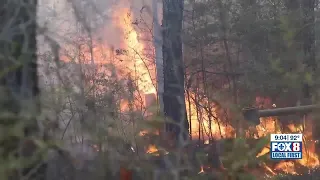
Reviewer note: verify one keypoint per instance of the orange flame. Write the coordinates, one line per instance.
(136, 62)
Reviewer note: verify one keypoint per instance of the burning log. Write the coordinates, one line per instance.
(253, 114)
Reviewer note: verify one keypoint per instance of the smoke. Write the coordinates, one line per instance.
(63, 19)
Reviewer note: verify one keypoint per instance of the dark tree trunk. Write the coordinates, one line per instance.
(18, 79)
(173, 97)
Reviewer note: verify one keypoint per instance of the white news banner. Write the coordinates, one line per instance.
(286, 137)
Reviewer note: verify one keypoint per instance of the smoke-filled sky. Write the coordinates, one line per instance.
(58, 17)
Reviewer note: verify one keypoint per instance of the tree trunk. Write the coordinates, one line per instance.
(18, 80)
(173, 96)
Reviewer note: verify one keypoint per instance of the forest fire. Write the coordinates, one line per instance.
(132, 63)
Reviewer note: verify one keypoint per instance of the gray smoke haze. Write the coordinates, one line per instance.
(58, 16)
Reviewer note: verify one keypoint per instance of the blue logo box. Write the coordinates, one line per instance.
(282, 150)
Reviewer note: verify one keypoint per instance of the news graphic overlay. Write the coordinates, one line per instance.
(286, 146)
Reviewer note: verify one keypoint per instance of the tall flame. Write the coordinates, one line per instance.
(136, 61)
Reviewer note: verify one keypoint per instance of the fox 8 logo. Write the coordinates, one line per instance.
(286, 146)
